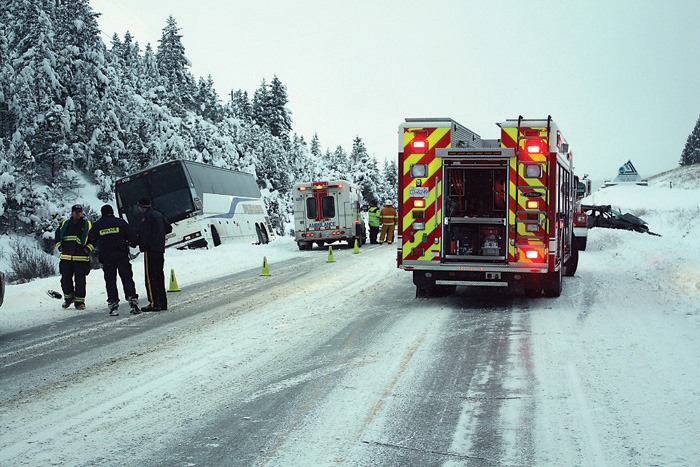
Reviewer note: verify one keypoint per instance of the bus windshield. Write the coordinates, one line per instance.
(167, 187)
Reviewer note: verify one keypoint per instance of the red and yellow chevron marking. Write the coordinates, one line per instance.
(518, 210)
(422, 244)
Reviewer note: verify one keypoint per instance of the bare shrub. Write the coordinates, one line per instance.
(28, 262)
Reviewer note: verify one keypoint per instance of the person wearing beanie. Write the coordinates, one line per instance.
(72, 240)
(152, 231)
(113, 236)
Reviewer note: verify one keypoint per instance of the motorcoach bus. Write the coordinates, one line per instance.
(206, 205)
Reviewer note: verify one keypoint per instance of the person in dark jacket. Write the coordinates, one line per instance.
(112, 236)
(152, 231)
(72, 240)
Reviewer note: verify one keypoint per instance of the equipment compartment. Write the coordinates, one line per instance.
(475, 212)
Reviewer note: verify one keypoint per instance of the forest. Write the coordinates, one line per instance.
(73, 107)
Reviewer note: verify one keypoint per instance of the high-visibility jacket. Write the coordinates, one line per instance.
(388, 215)
(72, 240)
(373, 217)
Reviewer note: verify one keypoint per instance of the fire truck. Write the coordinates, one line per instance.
(327, 212)
(583, 189)
(486, 212)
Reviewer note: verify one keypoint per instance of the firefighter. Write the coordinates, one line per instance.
(152, 231)
(389, 219)
(72, 240)
(374, 221)
(113, 237)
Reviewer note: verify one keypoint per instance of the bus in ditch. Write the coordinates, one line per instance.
(206, 205)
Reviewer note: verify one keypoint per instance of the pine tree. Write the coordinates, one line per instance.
(315, 146)
(339, 166)
(240, 106)
(172, 65)
(261, 106)
(691, 151)
(213, 110)
(281, 123)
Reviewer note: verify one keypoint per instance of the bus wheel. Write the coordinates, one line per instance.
(258, 233)
(215, 236)
(265, 237)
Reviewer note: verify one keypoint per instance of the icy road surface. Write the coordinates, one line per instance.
(338, 363)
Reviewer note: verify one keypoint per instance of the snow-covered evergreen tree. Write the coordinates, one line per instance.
(240, 107)
(691, 151)
(281, 119)
(173, 67)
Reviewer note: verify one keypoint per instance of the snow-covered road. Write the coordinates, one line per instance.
(325, 363)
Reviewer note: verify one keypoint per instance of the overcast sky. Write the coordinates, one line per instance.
(620, 77)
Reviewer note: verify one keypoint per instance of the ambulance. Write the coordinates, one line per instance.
(326, 212)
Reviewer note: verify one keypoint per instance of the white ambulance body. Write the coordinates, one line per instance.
(326, 212)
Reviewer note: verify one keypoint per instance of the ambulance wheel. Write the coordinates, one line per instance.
(572, 263)
(554, 284)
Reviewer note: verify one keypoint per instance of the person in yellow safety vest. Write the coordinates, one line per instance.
(389, 220)
(72, 240)
(374, 222)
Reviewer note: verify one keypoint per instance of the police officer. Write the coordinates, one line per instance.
(113, 236)
(374, 221)
(152, 231)
(72, 240)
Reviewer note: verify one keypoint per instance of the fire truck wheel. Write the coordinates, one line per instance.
(572, 264)
(424, 291)
(554, 284)
(444, 290)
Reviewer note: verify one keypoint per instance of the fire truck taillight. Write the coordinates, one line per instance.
(536, 146)
(533, 170)
(533, 204)
(418, 226)
(418, 203)
(531, 254)
(419, 170)
(419, 146)
(532, 228)
(302, 188)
